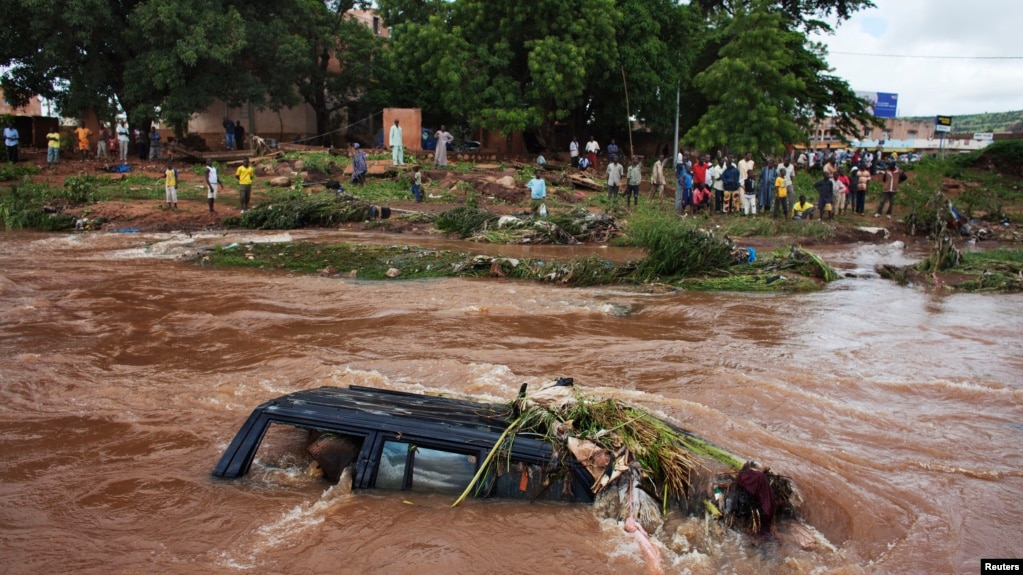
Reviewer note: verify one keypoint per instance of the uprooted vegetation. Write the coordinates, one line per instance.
(949, 268)
(641, 466)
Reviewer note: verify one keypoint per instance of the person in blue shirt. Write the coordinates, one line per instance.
(537, 191)
(683, 190)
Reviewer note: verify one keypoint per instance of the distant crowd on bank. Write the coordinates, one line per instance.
(725, 185)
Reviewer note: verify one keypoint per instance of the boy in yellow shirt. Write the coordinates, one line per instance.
(244, 175)
(52, 148)
(781, 194)
(803, 210)
(170, 186)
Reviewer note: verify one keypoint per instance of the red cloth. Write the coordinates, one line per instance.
(756, 483)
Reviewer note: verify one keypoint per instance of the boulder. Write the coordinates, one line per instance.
(280, 182)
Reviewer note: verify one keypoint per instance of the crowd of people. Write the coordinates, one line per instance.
(725, 185)
(107, 143)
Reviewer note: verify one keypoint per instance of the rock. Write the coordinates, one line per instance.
(280, 182)
(509, 222)
(299, 165)
(393, 272)
(283, 168)
(507, 181)
(304, 176)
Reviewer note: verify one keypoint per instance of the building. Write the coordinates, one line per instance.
(897, 135)
(290, 124)
(29, 120)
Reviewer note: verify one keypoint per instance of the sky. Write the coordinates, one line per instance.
(932, 86)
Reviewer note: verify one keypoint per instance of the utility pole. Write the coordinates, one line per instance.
(678, 92)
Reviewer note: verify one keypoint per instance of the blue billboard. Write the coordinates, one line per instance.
(881, 104)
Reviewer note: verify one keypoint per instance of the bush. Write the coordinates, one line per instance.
(677, 249)
(465, 221)
(78, 190)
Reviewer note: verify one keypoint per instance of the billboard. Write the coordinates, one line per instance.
(881, 104)
(943, 123)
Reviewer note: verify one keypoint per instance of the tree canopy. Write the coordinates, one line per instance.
(748, 76)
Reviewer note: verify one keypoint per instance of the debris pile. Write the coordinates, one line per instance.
(640, 465)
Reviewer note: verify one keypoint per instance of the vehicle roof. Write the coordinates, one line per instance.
(371, 405)
(456, 424)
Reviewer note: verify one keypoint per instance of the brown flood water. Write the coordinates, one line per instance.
(125, 372)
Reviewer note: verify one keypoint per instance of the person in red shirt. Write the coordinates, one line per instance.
(700, 175)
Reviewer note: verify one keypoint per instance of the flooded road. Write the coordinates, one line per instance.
(126, 371)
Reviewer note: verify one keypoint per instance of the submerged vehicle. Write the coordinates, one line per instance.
(555, 444)
(404, 441)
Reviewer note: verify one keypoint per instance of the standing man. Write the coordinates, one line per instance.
(657, 181)
(239, 136)
(229, 141)
(746, 165)
(83, 135)
(359, 167)
(171, 186)
(863, 179)
(781, 198)
(825, 196)
(11, 138)
(440, 154)
(683, 191)
(122, 140)
(731, 181)
(749, 197)
(573, 152)
(612, 150)
(714, 179)
(614, 182)
(212, 184)
(537, 191)
(52, 148)
(154, 143)
(397, 149)
(103, 144)
(633, 179)
(244, 175)
(765, 186)
(790, 172)
(891, 186)
(592, 149)
(142, 144)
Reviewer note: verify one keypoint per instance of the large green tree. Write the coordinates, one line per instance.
(319, 55)
(143, 56)
(768, 84)
(504, 66)
(171, 58)
(754, 96)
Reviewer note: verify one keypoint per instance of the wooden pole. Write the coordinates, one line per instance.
(628, 113)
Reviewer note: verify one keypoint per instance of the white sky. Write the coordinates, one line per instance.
(928, 87)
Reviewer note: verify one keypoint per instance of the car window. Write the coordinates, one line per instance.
(406, 466)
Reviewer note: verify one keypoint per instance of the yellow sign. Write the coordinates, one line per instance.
(943, 123)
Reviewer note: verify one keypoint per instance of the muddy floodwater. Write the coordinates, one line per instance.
(125, 371)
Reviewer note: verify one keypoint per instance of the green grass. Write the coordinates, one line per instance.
(10, 172)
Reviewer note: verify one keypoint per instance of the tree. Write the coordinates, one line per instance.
(505, 66)
(768, 85)
(143, 56)
(658, 42)
(320, 55)
(753, 96)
